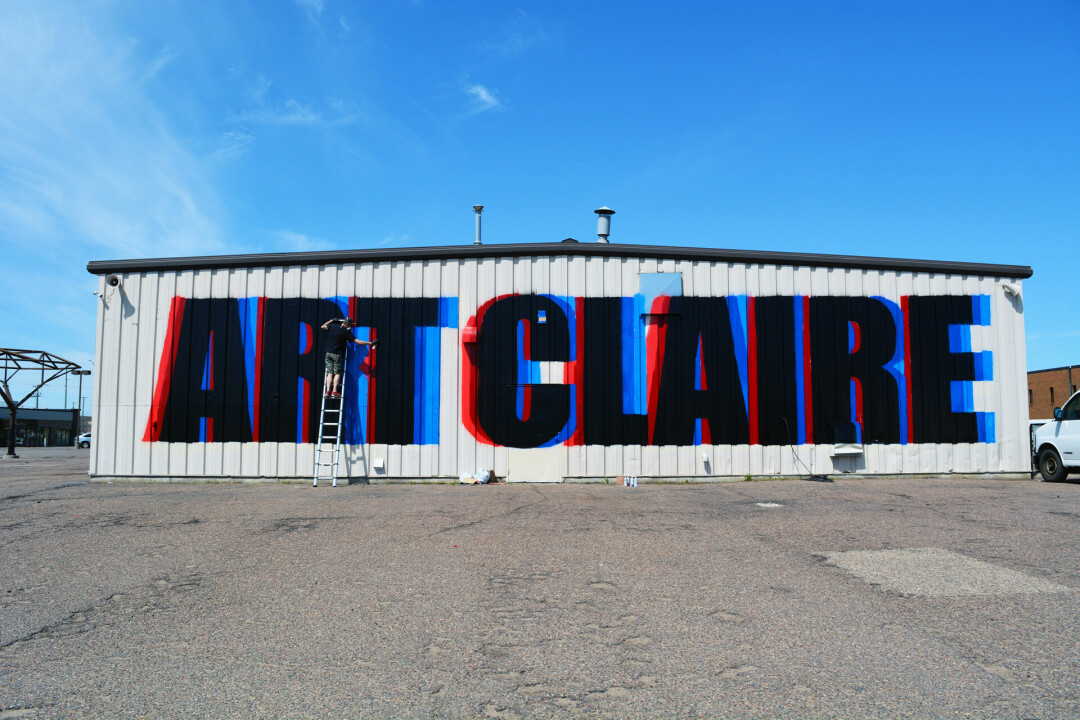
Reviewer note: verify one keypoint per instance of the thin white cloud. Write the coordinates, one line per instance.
(313, 9)
(483, 98)
(164, 57)
(393, 239)
(341, 122)
(259, 89)
(289, 241)
(232, 145)
(518, 34)
(293, 112)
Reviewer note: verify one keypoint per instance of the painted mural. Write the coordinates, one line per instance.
(656, 368)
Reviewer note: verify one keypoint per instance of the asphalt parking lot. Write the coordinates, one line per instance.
(906, 597)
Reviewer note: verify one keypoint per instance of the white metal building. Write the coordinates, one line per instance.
(553, 361)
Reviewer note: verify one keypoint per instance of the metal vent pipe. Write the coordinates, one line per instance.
(477, 209)
(603, 223)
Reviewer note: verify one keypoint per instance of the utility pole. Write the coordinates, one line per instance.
(80, 373)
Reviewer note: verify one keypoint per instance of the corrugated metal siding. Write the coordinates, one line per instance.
(133, 323)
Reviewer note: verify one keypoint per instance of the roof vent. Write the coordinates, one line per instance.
(603, 223)
(477, 209)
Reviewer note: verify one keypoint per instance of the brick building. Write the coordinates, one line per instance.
(1048, 389)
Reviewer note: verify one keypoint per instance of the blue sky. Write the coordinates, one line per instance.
(936, 130)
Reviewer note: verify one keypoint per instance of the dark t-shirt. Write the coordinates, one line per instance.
(339, 338)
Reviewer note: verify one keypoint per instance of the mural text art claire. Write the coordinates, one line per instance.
(544, 370)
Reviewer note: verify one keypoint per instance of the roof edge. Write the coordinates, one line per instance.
(1054, 369)
(449, 252)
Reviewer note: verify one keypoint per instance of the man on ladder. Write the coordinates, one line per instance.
(340, 330)
(330, 420)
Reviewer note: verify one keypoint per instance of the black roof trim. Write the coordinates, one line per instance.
(454, 252)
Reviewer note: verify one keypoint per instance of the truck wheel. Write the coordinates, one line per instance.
(1050, 465)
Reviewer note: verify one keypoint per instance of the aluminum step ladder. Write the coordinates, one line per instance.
(328, 449)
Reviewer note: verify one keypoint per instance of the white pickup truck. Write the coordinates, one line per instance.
(1057, 443)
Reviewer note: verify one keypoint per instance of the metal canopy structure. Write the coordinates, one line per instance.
(11, 362)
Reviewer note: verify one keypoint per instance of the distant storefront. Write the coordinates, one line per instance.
(43, 428)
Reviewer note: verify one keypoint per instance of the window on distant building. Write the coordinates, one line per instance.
(1051, 396)
(1031, 397)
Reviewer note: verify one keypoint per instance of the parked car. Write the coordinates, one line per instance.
(1057, 443)
(83, 440)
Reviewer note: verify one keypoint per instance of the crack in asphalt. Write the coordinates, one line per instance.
(480, 521)
(61, 486)
(84, 619)
(74, 619)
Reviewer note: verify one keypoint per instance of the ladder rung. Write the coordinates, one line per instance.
(329, 438)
